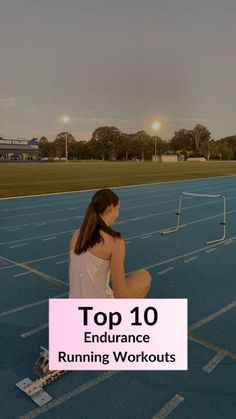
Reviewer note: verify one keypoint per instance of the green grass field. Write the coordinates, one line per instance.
(39, 178)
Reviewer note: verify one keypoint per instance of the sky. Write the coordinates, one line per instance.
(120, 63)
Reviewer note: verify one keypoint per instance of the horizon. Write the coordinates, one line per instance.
(24, 138)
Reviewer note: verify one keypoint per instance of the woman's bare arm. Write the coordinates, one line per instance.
(117, 270)
(72, 246)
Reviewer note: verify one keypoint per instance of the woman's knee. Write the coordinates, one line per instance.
(139, 283)
(146, 277)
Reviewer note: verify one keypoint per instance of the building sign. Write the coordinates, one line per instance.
(32, 142)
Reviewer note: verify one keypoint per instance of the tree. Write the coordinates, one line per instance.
(193, 141)
(181, 142)
(227, 147)
(212, 150)
(105, 142)
(43, 140)
(138, 145)
(161, 145)
(200, 136)
(80, 150)
(45, 147)
(60, 144)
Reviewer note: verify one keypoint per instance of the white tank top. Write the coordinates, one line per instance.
(89, 276)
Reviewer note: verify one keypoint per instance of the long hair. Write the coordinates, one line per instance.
(93, 223)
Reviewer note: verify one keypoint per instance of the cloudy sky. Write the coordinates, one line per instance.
(119, 63)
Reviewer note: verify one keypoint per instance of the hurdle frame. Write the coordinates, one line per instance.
(178, 213)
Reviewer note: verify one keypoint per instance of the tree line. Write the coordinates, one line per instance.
(109, 143)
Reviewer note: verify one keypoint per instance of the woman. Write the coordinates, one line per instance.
(97, 250)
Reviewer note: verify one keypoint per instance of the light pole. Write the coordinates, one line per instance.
(156, 126)
(66, 120)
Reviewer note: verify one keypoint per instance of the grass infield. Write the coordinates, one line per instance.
(39, 178)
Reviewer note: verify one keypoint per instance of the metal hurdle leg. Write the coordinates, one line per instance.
(222, 223)
(178, 213)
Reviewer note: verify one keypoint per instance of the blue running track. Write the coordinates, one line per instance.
(34, 241)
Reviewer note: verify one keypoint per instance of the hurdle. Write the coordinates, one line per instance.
(178, 213)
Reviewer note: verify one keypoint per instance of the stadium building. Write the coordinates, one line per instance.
(18, 150)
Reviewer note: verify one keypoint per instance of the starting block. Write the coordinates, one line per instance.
(40, 397)
(34, 389)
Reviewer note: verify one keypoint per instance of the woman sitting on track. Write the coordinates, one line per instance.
(97, 250)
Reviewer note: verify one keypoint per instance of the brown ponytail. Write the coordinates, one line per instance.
(89, 233)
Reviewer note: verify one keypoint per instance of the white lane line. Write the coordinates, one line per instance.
(213, 362)
(212, 316)
(38, 260)
(70, 395)
(146, 237)
(35, 214)
(168, 408)
(181, 226)
(123, 209)
(34, 331)
(127, 242)
(46, 277)
(46, 258)
(139, 196)
(37, 303)
(36, 237)
(49, 238)
(61, 261)
(3, 265)
(228, 242)
(141, 185)
(190, 259)
(147, 267)
(14, 229)
(31, 206)
(165, 271)
(54, 220)
(211, 250)
(17, 245)
(132, 237)
(41, 224)
(211, 345)
(176, 199)
(154, 265)
(6, 267)
(78, 208)
(22, 274)
(42, 213)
